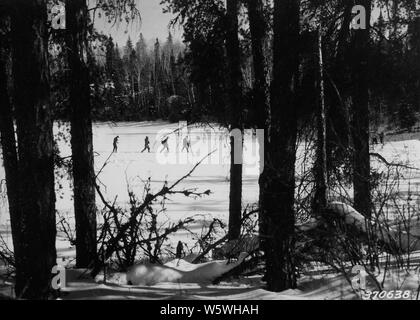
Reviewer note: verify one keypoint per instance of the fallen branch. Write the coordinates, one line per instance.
(391, 164)
(104, 165)
(112, 245)
(6, 254)
(221, 240)
(246, 265)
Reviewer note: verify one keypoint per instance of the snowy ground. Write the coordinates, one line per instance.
(316, 285)
(129, 167)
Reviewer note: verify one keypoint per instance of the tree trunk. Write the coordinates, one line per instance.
(8, 145)
(156, 71)
(361, 175)
(321, 174)
(81, 133)
(37, 253)
(277, 213)
(261, 106)
(338, 125)
(258, 31)
(235, 94)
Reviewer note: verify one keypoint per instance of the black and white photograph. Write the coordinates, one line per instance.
(228, 152)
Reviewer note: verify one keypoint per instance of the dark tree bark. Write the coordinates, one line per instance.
(361, 164)
(37, 253)
(258, 29)
(8, 145)
(235, 95)
(261, 106)
(81, 132)
(157, 77)
(321, 173)
(338, 125)
(277, 208)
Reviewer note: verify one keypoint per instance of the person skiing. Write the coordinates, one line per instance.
(165, 144)
(382, 137)
(186, 144)
(146, 145)
(115, 143)
(179, 250)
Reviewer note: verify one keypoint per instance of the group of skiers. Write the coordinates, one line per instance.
(376, 139)
(186, 144)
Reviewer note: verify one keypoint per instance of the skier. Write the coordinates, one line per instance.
(382, 137)
(115, 143)
(146, 145)
(179, 250)
(186, 144)
(165, 144)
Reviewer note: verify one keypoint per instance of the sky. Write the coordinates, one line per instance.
(154, 24)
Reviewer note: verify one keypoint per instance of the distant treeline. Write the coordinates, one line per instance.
(132, 83)
(187, 81)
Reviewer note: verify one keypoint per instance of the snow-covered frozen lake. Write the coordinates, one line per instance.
(130, 168)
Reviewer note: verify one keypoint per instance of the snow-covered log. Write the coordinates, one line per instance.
(180, 271)
(393, 237)
(232, 248)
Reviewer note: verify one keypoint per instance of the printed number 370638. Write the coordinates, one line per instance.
(392, 294)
